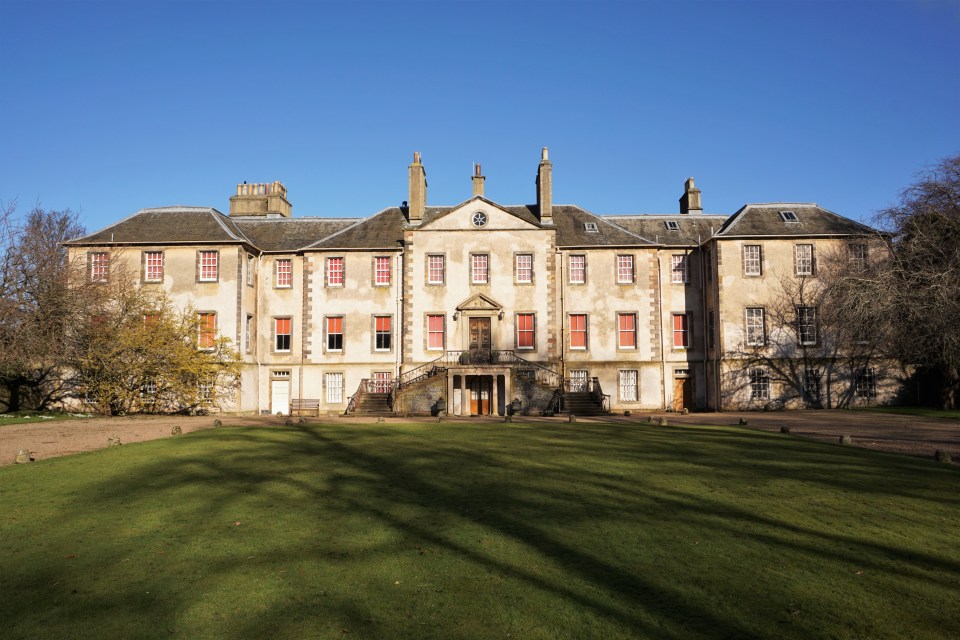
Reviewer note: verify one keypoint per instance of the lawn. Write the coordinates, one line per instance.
(461, 531)
(916, 411)
(20, 417)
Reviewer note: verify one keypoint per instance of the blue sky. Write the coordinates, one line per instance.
(112, 107)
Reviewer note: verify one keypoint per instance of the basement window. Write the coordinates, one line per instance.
(672, 225)
(590, 227)
(789, 216)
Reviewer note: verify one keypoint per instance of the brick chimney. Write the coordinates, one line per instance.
(268, 199)
(477, 180)
(418, 190)
(545, 189)
(690, 200)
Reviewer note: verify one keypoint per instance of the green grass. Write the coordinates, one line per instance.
(461, 531)
(917, 411)
(20, 417)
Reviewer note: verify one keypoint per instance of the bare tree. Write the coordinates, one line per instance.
(816, 335)
(36, 304)
(918, 296)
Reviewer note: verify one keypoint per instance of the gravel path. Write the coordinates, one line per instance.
(908, 435)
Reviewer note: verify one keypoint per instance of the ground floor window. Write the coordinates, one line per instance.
(381, 381)
(759, 384)
(628, 386)
(334, 385)
(578, 380)
(811, 384)
(865, 383)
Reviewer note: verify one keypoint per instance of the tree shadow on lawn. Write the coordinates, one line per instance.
(577, 512)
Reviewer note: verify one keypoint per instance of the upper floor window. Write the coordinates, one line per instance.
(382, 333)
(708, 263)
(578, 269)
(627, 330)
(98, 266)
(283, 334)
(756, 331)
(526, 331)
(807, 325)
(284, 273)
(435, 269)
(209, 266)
(681, 331)
(334, 272)
(624, 269)
(578, 331)
(435, 332)
(153, 266)
(479, 268)
(248, 333)
(335, 333)
(207, 329)
(524, 268)
(381, 271)
(752, 260)
(858, 255)
(251, 264)
(803, 259)
(678, 269)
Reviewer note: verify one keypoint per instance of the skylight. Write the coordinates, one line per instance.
(590, 227)
(672, 225)
(789, 216)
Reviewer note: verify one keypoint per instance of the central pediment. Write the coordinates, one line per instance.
(480, 214)
(479, 302)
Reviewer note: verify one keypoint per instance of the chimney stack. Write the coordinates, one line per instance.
(418, 190)
(545, 189)
(477, 180)
(267, 199)
(690, 200)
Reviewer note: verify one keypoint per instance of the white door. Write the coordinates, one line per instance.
(280, 397)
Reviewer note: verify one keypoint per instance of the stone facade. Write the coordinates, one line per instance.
(496, 303)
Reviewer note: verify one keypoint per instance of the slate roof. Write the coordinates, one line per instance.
(290, 234)
(169, 225)
(692, 229)
(765, 220)
(384, 230)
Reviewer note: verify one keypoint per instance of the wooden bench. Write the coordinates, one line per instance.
(305, 407)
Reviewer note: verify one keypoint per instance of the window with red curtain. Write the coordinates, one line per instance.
(681, 332)
(208, 330)
(383, 333)
(578, 331)
(435, 332)
(627, 328)
(283, 333)
(526, 332)
(335, 333)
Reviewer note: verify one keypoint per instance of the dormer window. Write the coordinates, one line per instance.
(789, 216)
(590, 227)
(672, 225)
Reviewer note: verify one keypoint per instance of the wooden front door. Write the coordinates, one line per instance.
(682, 394)
(479, 340)
(480, 387)
(479, 333)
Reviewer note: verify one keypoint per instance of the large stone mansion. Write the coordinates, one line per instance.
(484, 308)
